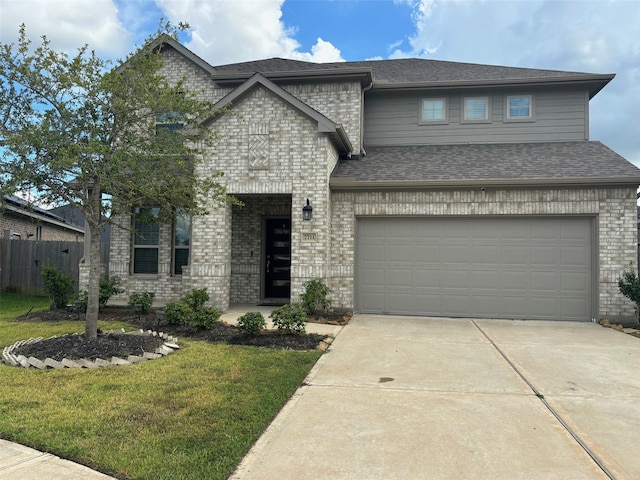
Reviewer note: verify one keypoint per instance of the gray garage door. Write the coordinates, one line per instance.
(514, 267)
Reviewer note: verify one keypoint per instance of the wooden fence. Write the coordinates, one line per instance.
(21, 262)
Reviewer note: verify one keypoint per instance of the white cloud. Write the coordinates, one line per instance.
(68, 24)
(229, 32)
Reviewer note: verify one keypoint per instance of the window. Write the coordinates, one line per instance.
(476, 109)
(433, 110)
(181, 241)
(146, 239)
(519, 107)
(168, 125)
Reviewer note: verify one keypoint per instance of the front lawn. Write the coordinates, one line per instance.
(193, 414)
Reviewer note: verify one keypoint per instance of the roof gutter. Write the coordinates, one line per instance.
(365, 75)
(598, 81)
(351, 184)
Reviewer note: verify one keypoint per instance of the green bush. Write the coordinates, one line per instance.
(196, 298)
(315, 297)
(178, 313)
(629, 286)
(57, 285)
(251, 323)
(108, 288)
(204, 318)
(190, 310)
(145, 299)
(290, 318)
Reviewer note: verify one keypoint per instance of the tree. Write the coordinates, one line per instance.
(79, 129)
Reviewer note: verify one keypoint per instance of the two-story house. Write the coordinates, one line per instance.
(410, 186)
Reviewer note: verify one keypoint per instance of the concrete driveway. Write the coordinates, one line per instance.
(427, 398)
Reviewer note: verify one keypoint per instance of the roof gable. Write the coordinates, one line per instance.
(325, 125)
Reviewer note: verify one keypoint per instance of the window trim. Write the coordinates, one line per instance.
(445, 111)
(530, 118)
(487, 117)
(135, 246)
(175, 247)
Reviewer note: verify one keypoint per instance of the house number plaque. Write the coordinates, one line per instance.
(309, 237)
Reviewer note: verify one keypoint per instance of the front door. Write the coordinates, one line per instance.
(277, 278)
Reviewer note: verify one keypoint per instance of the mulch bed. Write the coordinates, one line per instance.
(108, 345)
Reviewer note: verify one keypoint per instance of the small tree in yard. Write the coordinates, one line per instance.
(315, 297)
(629, 286)
(57, 285)
(79, 131)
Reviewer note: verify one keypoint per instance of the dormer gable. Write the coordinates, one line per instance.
(325, 125)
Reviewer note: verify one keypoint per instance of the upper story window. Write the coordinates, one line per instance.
(181, 241)
(146, 240)
(519, 107)
(476, 109)
(169, 124)
(433, 110)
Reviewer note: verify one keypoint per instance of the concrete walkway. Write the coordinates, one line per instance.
(18, 462)
(425, 398)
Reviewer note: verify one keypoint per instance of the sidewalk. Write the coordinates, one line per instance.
(18, 462)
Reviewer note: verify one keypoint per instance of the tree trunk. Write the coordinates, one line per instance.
(93, 287)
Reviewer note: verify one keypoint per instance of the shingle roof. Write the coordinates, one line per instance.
(485, 164)
(410, 71)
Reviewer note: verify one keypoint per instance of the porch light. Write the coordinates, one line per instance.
(307, 211)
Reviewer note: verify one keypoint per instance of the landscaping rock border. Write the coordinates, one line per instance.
(170, 345)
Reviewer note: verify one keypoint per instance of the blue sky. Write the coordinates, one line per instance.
(597, 36)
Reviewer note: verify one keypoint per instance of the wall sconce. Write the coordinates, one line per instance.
(307, 210)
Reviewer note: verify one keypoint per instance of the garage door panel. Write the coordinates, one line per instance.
(575, 255)
(515, 255)
(399, 277)
(511, 267)
(573, 282)
(515, 280)
(426, 278)
(485, 254)
(545, 281)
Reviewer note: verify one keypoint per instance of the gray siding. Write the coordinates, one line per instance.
(393, 119)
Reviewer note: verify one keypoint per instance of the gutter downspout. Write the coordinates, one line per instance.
(365, 89)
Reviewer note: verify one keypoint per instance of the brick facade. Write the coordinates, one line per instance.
(26, 228)
(613, 208)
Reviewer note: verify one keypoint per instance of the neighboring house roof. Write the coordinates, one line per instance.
(19, 206)
(517, 164)
(325, 125)
(72, 214)
(414, 73)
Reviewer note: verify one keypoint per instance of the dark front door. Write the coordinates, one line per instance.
(277, 278)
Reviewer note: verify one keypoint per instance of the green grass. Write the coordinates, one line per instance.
(193, 414)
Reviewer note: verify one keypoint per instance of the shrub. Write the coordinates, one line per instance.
(190, 310)
(108, 288)
(196, 298)
(178, 313)
(251, 323)
(204, 318)
(145, 299)
(629, 286)
(290, 318)
(315, 296)
(57, 285)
